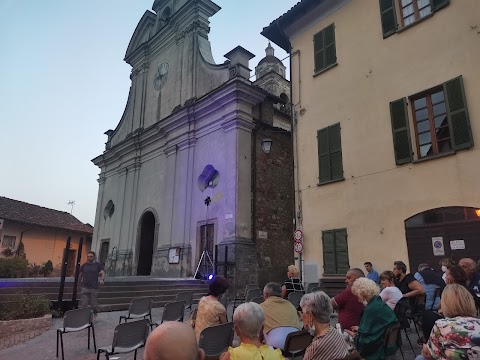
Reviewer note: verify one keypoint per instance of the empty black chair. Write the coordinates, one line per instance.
(253, 293)
(77, 320)
(215, 340)
(239, 300)
(296, 343)
(173, 311)
(127, 337)
(258, 299)
(402, 311)
(393, 340)
(138, 309)
(310, 287)
(294, 298)
(187, 298)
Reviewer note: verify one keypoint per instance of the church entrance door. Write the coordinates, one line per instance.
(147, 235)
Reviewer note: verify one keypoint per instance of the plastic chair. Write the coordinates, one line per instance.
(258, 299)
(173, 311)
(187, 298)
(436, 295)
(215, 340)
(138, 308)
(294, 298)
(127, 337)
(393, 337)
(315, 289)
(77, 320)
(224, 300)
(296, 343)
(277, 336)
(253, 293)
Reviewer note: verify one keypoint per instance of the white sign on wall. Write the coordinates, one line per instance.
(457, 244)
(262, 235)
(437, 245)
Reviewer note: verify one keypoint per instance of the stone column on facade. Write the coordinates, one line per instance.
(98, 216)
(134, 218)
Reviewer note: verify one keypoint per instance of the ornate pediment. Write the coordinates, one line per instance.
(143, 32)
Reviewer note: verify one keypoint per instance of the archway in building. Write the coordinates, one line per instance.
(147, 237)
(457, 228)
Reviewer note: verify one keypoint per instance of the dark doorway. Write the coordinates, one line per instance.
(450, 224)
(71, 262)
(104, 252)
(206, 239)
(147, 236)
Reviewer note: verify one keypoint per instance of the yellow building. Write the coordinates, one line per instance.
(43, 233)
(387, 110)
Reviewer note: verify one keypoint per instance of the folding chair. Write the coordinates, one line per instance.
(258, 299)
(77, 320)
(224, 300)
(294, 298)
(138, 308)
(215, 340)
(296, 343)
(127, 337)
(315, 289)
(393, 340)
(253, 293)
(186, 297)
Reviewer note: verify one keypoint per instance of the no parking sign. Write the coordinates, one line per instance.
(437, 245)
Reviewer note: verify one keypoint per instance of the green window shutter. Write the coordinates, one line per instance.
(401, 131)
(319, 51)
(329, 264)
(323, 155)
(438, 4)
(329, 45)
(341, 251)
(457, 113)
(388, 17)
(335, 147)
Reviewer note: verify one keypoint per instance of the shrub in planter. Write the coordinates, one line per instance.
(13, 267)
(8, 252)
(47, 268)
(25, 306)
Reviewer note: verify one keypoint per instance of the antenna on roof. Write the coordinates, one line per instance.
(72, 204)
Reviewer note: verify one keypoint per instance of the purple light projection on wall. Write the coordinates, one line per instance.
(208, 178)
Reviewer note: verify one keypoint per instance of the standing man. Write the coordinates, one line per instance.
(349, 308)
(89, 274)
(371, 274)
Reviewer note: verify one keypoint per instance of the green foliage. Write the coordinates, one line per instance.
(13, 267)
(21, 251)
(25, 306)
(47, 267)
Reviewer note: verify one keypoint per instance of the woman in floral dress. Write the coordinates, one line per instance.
(457, 336)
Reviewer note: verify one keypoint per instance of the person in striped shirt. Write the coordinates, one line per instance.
(293, 282)
(328, 343)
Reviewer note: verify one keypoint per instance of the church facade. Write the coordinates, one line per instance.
(200, 164)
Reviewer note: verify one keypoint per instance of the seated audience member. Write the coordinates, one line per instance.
(371, 274)
(349, 309)
(210, 311)
(328, 343)
(473, 278)
(453, 336)
(369, 335)
(293, 282)
(248, 320)
(390, 293)
(430, 280)
(407, 284)
(172, 340)
(446, 264)
(281, 317)
(455, 275)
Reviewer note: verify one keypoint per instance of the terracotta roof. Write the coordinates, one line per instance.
(25, 213)
(274, 31)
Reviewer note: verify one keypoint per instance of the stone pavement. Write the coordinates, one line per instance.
(75, 344)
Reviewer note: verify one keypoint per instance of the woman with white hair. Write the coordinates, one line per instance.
(293, 282)
(328, 343)
(457, 336)
(248, 321)
(377, 317)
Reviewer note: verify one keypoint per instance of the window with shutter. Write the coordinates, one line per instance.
(441, 122)
(335, 252)
(410, 12)
(330, 161)
(324, 49)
